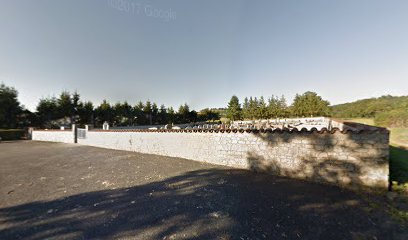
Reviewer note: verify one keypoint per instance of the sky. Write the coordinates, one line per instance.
(203, 52)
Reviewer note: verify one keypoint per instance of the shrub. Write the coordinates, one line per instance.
(394, 118)
(225, 120)
(12, 134)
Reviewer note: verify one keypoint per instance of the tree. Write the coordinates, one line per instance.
(283, 107)
(123, 114)
(86, 112)
(162, 117)
(66, 106)
(171, 115)
(277, 107)
(75, 105)
(246, 114)
(310, 104)
(127, 113)
(9, 107)
(192, 116)
(104, 112)
(262, 111)
(47, 111)
(155, 112)
(184, 113)
(53, 112)
(119, 114)
(138, 114)
(208, 114)
(273, 107)
(234, 111)
(148, 112)
(253, 107)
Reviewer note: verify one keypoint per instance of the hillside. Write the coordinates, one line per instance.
(387, 110)
(367, 108)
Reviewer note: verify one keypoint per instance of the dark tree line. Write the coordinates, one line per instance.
(68, 108)
(305, 105)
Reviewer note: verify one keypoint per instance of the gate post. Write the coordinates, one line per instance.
(75, 132)
(30, 133)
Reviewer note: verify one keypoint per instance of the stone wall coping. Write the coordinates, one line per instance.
(268, 130)
(52, 130)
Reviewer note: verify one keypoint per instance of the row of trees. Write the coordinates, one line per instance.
(304, 105)
(68, 108)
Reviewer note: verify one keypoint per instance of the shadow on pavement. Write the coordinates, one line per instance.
(204, 204)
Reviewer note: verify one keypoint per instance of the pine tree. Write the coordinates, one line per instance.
(148, 112)
(162, 115)
(171, 114)
(104, 113)
(184, 113)
(262, 111)
(283, 107)
(234, 111)
(245, 109)
(155, 112)
(251, 108)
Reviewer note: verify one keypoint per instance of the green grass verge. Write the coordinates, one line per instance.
(398, 164)
(399, 137)
(399, 157)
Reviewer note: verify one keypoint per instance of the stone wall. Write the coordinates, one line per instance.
(53, 136)
(350, 159)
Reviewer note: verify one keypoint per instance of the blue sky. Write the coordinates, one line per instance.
(205, 51)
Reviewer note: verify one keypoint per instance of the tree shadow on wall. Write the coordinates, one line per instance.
(204, 204)
(322, 165)
(331, 171)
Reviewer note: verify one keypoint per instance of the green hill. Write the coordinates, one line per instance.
(388, 111)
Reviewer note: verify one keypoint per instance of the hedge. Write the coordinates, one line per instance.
(12, 134)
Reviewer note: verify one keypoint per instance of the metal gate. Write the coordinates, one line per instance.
(81, 133)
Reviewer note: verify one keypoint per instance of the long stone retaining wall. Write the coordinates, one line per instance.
(352, 159)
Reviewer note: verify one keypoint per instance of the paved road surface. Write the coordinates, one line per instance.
(67, 191)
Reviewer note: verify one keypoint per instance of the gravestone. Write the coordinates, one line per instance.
(105, 126)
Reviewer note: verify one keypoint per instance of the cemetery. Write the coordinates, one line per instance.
(318, 149)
